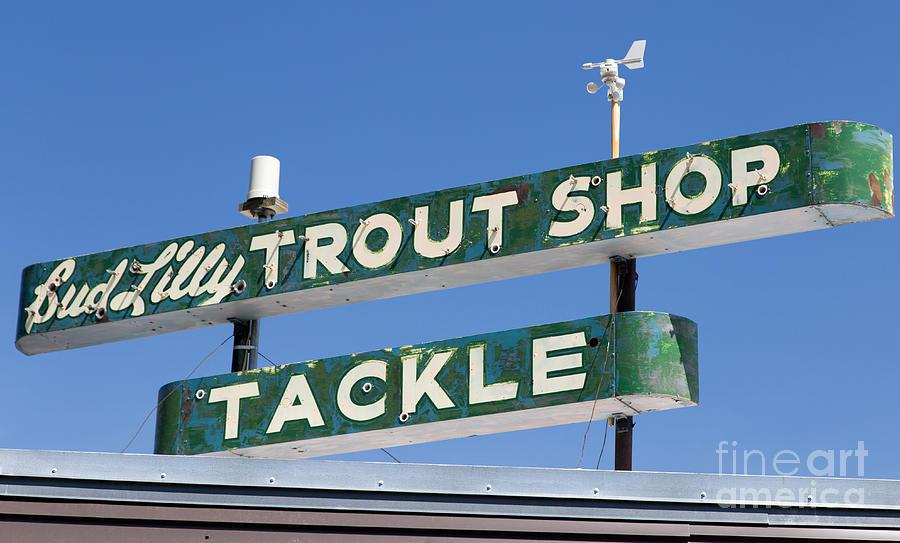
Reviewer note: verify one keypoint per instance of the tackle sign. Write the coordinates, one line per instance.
(621, 364)
(782, 181)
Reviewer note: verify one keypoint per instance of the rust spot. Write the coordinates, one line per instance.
(521, 191)
(875, 187)
(187, 407)
(346, 273)
(817, 130)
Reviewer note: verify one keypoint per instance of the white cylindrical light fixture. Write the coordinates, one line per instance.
(264, 174)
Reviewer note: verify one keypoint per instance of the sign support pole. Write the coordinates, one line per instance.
(244, 346)
(623, 280)
(622, 287)
(622, 274)
(245, 355)
(614, 126)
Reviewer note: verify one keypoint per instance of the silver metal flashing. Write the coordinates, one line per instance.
(449, 489)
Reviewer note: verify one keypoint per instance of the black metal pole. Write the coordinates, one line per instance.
(246, 340)
(245, 355)
(625, 277)
(624, 434)
(626, 274)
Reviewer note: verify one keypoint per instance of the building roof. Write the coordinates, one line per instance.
(155, 494)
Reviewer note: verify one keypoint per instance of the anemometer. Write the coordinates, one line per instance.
(609, 71)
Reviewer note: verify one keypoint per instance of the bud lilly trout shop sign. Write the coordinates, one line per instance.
(626, 363)
(777, 182)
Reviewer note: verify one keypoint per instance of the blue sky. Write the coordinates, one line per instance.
(123, 124)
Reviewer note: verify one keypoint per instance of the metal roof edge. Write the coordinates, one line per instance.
(725, 490)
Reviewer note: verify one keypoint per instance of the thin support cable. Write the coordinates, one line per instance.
(609, 325)
(266, 357)
(602, 447)
(166, 397)
(391, 455)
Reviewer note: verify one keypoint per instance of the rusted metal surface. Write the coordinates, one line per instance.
(626, 363)
(788, 180)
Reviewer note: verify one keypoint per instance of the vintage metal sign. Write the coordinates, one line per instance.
(788, 180)
(626, 363)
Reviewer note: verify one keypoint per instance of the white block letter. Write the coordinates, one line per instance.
(741, 179)
(478, 391)
(543, 364)
(385, 255)
(415, 387)
(494, 204)
(326, 254)
(582, 205)
(296, 389)
(232, 396)
(270, 244)
(691, 206)
(355, 411)
(425, 246)
(645, 194)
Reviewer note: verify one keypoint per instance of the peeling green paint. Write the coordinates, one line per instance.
(827, 174)
(631, 362)
(872, 172)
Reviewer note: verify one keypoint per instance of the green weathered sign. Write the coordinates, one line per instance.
(788, 180)
(621, 364)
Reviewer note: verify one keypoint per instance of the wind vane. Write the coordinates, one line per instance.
(609, 75)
